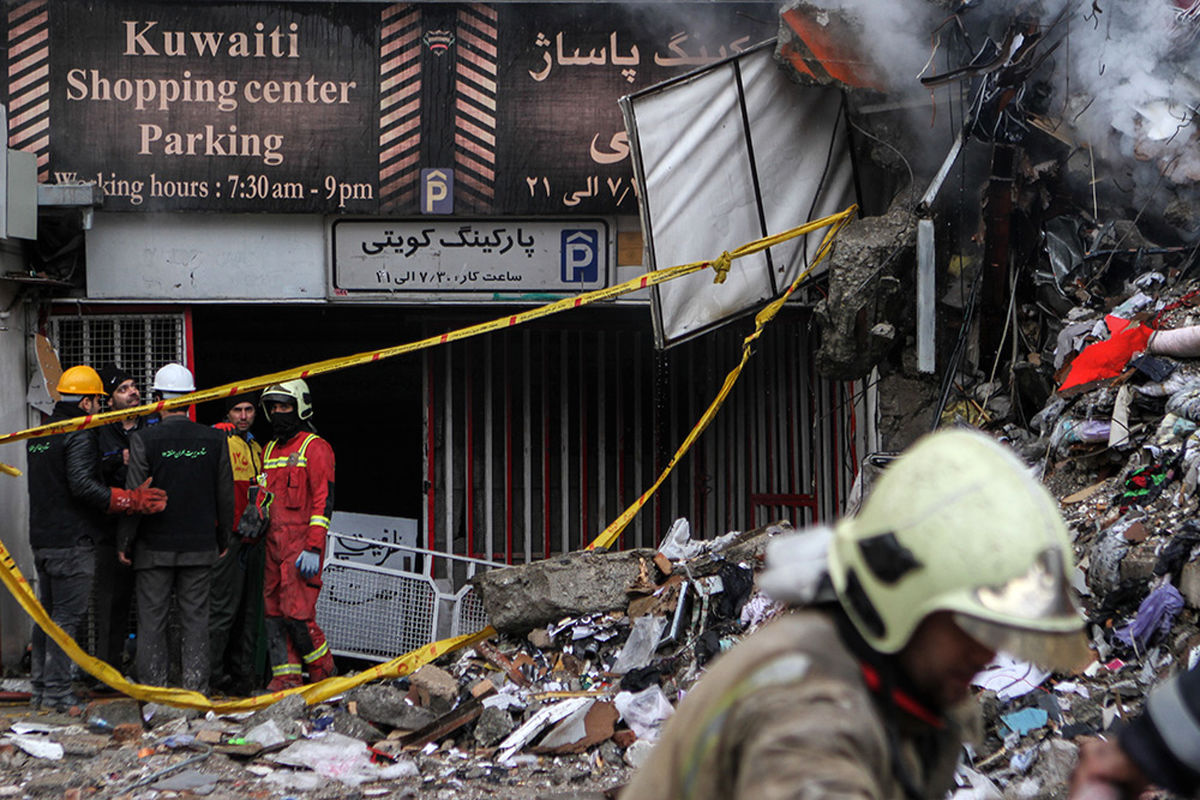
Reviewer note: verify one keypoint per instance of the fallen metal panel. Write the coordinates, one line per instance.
(726, 155)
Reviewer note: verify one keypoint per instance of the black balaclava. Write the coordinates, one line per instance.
(284, 425)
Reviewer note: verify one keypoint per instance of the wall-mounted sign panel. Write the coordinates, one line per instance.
(504, 260)
(350, 108)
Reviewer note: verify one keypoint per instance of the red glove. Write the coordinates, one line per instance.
(142, 500)
(227, 427)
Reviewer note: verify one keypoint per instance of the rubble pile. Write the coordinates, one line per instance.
(554, 706)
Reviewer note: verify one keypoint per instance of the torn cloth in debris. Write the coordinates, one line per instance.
(1155, 615)
(1107, 359)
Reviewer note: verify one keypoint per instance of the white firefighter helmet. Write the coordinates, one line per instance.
(958, 524)
(173, 380)
(294, 392)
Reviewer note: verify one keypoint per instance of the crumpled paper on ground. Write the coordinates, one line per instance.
(342, 758)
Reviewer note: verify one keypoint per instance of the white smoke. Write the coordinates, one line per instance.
(1126, 77)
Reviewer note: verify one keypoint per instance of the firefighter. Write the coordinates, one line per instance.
(67, 503)
(237, 583)
(956, 554)
(298, 478)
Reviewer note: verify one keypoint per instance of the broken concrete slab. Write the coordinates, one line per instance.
(384, 704)
(493, 725)
(435, 688)
(521, 598)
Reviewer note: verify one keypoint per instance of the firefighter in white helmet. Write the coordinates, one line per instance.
(297, 474)
(957, 553)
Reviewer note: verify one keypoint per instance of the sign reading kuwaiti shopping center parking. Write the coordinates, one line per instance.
(341, 107)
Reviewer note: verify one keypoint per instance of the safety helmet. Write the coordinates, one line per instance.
(80, 380)
(174, 379)
(958, 524)
(294, 392)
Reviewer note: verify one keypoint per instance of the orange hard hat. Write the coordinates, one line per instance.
(82, 380)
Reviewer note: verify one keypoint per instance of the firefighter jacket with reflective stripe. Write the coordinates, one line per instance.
(190, 462)
(299, 475)
(787, 714)
(67, 495)
(245, 459)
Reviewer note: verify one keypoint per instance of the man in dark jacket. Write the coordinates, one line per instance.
(114, 580)
(175, 551)
(68, 501)
(1161, 746)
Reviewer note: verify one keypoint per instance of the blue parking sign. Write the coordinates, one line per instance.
(580, 255)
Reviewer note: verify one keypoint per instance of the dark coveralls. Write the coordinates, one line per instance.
(114, 580)
(299, 474)
(175, 550)
(68, 502)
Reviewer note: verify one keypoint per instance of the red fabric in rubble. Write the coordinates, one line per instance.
(1108, 359)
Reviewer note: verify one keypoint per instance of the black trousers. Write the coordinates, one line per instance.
(190, 586)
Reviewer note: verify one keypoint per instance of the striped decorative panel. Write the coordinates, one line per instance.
(399, 106)
(475, 108)
(29, 82)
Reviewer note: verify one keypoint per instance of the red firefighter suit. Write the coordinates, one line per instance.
(298, 474)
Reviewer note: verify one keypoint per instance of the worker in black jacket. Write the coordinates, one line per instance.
(114, 580)
(1161, 746)
(173, 553)
(68, 500)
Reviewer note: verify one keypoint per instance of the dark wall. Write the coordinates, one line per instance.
(370, 414)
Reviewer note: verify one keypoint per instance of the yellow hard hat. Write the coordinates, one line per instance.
(81, 380)
(958, 524)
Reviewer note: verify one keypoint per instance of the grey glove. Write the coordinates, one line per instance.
(309, 563)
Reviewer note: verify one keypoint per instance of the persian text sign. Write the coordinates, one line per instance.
(504, 256)
(236, 107)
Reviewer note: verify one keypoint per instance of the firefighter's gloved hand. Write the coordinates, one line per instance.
(142, 500)
(309, 563)
(227, 427)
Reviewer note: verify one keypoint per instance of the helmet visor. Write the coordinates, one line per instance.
(1062, 651)
(1032, 616)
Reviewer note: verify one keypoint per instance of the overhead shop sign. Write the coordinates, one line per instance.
(453, 259)
(342, 108)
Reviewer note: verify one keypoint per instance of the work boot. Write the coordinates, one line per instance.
(281, 682)
(67, 704)
(320, 671)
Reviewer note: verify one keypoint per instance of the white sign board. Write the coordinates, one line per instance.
(727, 155)
(386, 530)
(499, 259)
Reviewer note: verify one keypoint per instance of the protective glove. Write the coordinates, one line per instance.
(142, 500)
(309, 563)
(226, 427)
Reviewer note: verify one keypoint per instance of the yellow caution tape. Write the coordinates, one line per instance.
(11, 575)
(414, 659)
(10, 470)
(610, 534)
(370, 357)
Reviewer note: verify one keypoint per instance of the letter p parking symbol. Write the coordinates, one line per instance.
(580, 256)
(437, 191)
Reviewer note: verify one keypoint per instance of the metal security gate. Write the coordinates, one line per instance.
(137, 342)
(536, 439)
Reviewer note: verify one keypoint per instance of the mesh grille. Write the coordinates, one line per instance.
(138, 343)
(374, 614)
(469, 614)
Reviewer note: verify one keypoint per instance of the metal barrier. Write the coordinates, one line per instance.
(378, 613)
